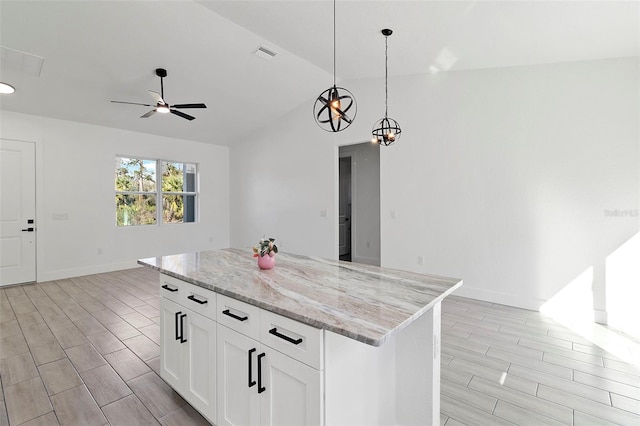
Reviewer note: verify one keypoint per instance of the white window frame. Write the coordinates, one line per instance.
(159, 193)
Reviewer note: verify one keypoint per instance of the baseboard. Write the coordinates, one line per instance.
(500, 298)
(366, 260)
(86, 270)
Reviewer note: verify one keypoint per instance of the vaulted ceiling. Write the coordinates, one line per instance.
(97, 51)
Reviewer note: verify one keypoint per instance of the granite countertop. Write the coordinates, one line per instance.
(363, 302)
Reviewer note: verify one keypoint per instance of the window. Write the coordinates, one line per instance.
(137, 192)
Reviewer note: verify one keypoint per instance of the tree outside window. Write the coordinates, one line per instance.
(137, 192)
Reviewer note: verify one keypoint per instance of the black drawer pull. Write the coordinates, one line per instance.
(234, 316)
(260, 387)
(192, 297)
(182, 338)
(166, 287)
(178, 325)
(274, 331)
(251, 382)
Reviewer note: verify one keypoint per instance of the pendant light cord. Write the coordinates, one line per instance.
(386, 74)
(334, 42)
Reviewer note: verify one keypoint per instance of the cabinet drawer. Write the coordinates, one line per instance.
(293, 338)
(199, 300)
(239, 316)
(171, 288)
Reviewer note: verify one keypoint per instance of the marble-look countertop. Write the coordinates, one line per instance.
(363, 302)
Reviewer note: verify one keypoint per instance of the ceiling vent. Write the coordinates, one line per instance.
(22, 62)
(264, 53)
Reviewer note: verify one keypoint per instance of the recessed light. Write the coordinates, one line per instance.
(6, 88)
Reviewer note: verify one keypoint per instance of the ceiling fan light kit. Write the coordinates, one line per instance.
(386, 130)
(335, 108)
(6, 89)
(161, 106)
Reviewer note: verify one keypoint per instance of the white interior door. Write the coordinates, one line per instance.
(17, 212)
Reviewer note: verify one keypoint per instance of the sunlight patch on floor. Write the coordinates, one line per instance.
(573, 308)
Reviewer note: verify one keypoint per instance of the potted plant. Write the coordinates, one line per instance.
(266, 253)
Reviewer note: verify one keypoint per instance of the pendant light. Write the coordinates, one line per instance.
(386, 130)
(335, 108)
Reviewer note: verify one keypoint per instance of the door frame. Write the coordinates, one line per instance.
(36, 194)
(340, 153)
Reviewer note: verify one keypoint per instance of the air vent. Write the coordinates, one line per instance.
(264, 53)
(22, 62)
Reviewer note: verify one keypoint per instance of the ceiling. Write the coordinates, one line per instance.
(97, 51)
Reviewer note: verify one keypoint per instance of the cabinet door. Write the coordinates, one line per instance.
(171, 348)
(199, 384)
(238, 398)
(293, 394)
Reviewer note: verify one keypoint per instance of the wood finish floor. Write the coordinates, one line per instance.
(84, 351)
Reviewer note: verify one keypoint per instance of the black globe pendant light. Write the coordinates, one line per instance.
(386, 130)
(335, 108)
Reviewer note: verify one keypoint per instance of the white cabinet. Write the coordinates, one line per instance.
(257, 384)
(238, 398)
(238, 364)
(292, 391)
(171, 350)
(188, 355)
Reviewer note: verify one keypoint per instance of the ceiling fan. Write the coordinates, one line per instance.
(161, 106)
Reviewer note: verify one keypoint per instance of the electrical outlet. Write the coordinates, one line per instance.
(99, 251)
(420, 260)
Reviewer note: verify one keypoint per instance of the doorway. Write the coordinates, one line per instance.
(17, 212)
(344, 209)
(359, 203)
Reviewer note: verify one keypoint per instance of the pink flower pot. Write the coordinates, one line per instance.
(266, 262)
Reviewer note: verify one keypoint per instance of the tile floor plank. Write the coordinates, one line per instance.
(537, 405)
(128, 411)
(59, 376)
(85, 357)
(522, 416)
(155, 394)
(26, 400)
(127, 364)
(17, 369)
(105, 385)
(76, 407)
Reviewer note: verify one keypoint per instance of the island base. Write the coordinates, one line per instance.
(396, 383)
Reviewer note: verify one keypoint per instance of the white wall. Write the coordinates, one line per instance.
(502, 176)
(75, 176)
(365, 211)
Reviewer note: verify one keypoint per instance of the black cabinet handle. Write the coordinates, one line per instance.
(28, 230)
(177, 326)
(182, 339)
(234, 316)
(202, 302)
(251, 382)
(166, 287)
(274, 331)
(260, 387)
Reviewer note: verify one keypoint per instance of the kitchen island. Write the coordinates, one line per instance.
(312, 341)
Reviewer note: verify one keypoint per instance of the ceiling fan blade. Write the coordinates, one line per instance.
(149, 114)
(156, 97)
(131, 103)
(189, 106)
(182, 114)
